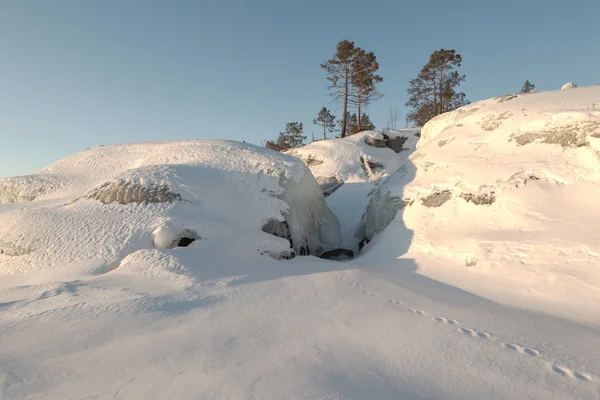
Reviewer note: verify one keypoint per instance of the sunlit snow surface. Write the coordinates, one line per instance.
(457, 297)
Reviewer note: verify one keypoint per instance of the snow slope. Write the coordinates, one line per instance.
(89, 211)
(218, 320)
(501, 198)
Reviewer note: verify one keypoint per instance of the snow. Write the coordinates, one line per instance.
(568, 85)
(102, 204)
(480, 280)
(505, 191)
(342, 161)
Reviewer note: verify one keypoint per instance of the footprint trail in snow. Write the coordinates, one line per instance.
(554, 365)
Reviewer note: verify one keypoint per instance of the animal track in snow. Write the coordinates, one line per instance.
(564, 371)
(474, 333)
(583, 376)
(446, 320)
(467, 331)
(531, 352)
(512, 346)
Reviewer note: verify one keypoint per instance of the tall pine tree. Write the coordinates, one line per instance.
(367, 125)
(339, 68)
(288, 139)
(527, 87)
(364, 79)
(326, 120)
(433, 91)
(351, 124)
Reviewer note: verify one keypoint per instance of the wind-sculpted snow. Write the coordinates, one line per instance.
(106, 203)
(507, 187)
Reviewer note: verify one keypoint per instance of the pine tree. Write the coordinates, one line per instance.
(367, 125)
(433, 91)
(527, 87)
(364, 79)
(326, 120)
(290, 138)
(339, 69)
(351, 123)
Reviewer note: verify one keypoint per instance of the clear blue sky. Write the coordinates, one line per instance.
(76, 74)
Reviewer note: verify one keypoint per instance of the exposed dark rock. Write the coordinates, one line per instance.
(444, 142)
(185, 241)
(337, 254)
(437, 199)
(479, 199)
(370, 167)
(574, 135)
(125, 192)
(371, 141)
(393, 143)
(471, 262)
(311, 160)
(329, 185)
(277, 228)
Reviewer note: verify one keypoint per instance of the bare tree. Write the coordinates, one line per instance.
(393, 118)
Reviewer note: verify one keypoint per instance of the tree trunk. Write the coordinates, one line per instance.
(441, 90)
(435, 101)
(324, 131)
(359, 122)
(346, 72)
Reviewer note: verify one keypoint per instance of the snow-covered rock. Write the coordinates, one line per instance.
(100, 205)
(349, 169)
(568, 85)
(342, 158)
(512, 182)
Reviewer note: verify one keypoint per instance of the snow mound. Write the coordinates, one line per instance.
(343, 158)
(90, 210)
(512, 182)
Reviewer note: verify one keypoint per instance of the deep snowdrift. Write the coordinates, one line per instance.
(503, 190)
(90, 210)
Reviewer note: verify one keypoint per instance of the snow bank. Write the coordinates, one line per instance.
(342, 159)
(98, 206)
(504, 189)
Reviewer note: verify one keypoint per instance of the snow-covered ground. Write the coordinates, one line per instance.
(483, 286)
